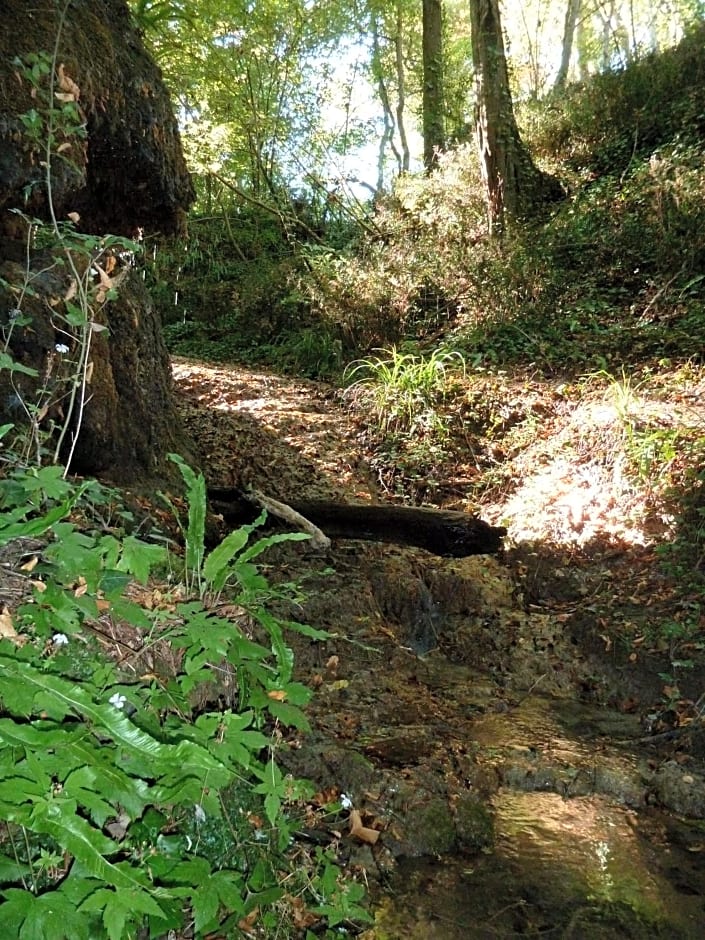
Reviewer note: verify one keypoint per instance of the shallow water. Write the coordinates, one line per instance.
(577, 852)
(578, 868)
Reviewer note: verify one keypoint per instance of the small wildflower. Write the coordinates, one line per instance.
(345, 801)
(14, 313)
(117, 700)
(61, 348)
(199, 813)
(60, 639)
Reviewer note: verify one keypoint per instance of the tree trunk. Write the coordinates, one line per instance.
(126, 175)
(572, 12)
(387, 137)
(401, 88)
(433, 97)
(514, 185)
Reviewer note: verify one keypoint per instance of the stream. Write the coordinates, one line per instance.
(504, 810)
(474, 711)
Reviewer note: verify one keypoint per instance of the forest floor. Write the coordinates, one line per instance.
(447, 680)
(570, 470)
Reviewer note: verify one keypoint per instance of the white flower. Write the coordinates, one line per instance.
(199, 813)
(345, 801)
(61, 348)
(117, 700)
(60, 639)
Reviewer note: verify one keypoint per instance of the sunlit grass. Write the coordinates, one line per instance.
(402, 390)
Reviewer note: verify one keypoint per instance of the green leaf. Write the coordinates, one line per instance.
(53, 917)
(140, 557)
(120, 908)
(197, 504)
(33, 527)
(215, 565)
(283, 653)
(289, 715)
(263, 544)
(7, 363)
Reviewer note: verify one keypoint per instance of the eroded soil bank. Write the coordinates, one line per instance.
(517, 761)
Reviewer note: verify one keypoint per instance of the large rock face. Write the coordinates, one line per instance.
(126, 176)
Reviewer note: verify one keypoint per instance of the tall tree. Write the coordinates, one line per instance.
(433, 96)
(572, 11)
(514, 184)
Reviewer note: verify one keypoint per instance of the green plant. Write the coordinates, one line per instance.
(114, 781)
(401, 389)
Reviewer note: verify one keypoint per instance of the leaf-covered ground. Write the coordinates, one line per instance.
(588, 478)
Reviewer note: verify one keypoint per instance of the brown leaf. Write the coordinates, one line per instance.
(360, 832)
(75, 217)
(31, 564)
(105, 280)
(247, 923)
(277, 695)
(7, 627)
(67, 84)
(332, 665)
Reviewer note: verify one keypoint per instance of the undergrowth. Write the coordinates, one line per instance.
(140, 800)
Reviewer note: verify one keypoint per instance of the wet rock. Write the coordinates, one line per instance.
(680, 790)
(474, 825)
(426, 826)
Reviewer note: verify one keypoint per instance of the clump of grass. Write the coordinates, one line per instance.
(401, 390)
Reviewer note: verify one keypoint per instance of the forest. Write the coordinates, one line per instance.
(352, 446)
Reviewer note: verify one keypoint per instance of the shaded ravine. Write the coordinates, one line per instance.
(450, 712)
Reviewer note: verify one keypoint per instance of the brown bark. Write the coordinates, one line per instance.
(131, 173)
(433, 97)
(127, 174)
(514, 185)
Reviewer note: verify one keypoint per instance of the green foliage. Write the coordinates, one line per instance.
(116, 787)
(401, 390)
(617, 117)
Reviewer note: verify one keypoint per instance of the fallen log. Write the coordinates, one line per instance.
(440, 531)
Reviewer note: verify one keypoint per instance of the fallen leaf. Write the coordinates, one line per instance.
(332, 665)
(31, 564)
(360, 832)
(74, 216)
(7, 628)
(67, 84)
(246, 924)
(277, 695)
